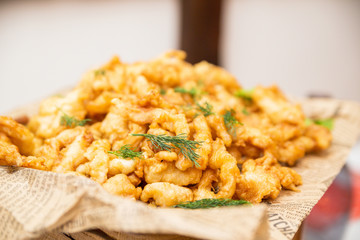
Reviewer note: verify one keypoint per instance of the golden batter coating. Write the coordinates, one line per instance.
(166, 194)
(256, 183)
(166, 132)
(97, 165)
(122, 186)
(18, 134)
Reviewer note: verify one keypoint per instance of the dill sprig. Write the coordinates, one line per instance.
(230, 121)
(206, 110)
(193, 91)
(70, 121)
(245, 112)
(200, 83)
(126, 152)
(245, 94)
(211, 203)
(162, 91)
(167, 143)
(187, 107)
(99, 72)
(327, 123)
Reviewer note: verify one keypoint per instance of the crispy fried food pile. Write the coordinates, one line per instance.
(166, 132)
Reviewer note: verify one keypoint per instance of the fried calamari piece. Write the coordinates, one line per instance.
(253, 136)
(16, 143)
(216, 122)
(124, 166)
(205, 187)
(289, 179)
(159, 167)
(142, 87)
(166, 194)
(134, 179)
(156, 170)
(290, 151)
(115, 125)
(283, 132)
(47, 123)
(122, 186)
(175, 98)
(18, 134)
(226, 100)
(10, 156)
(321, 135)
(172, 123)
(166, 156)
(5, 138)
(98, 161)
(101, 104)
(183, 163)
(213, 75)
(106, 78)
(148, 94)
(255, 183)
(229, 172)
(202, 134)
(236, 153)
(133, 141)
(274, 104)
(52, 146)
(65, 152)
(39, 163)
(168, 69)
(175, 123)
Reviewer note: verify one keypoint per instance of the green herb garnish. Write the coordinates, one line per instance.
(308, 122)
(69, 121)
(126, 152)
(206, 110)
(211, 203)
(193, 91)
(187, 107)
(230, 121)
(200, 83)
(245, 94)
(328, 123)
(245, 112)
(167, 143)
(162, 91)
(99, 72)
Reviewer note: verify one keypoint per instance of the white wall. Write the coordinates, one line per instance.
(303, 46)
(47, 45)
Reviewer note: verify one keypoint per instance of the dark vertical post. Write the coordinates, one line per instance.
(200, 29)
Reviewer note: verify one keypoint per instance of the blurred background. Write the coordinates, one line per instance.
(308, 47)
